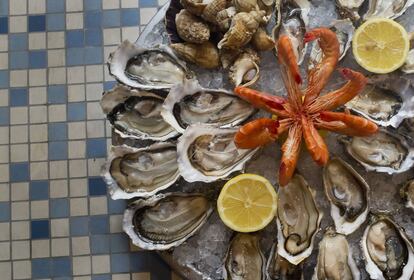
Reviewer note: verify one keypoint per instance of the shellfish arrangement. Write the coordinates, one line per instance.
(174, 145)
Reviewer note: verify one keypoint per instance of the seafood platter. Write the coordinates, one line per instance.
(215, 88)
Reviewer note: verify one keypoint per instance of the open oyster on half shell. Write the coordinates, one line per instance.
(167, 220)
(141, 172)
(208, 153)
(189, 103)
(387, 250)
(349, 8)
(407, 193)
(387, 9)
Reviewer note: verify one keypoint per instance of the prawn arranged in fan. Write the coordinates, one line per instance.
(303, 112)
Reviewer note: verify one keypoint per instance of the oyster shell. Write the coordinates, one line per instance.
(136, 114)
(335, 260)
(190, 28)
(408, 67)
(261, 41)
(245, 71)
(205, 55)
(212, 9)
(385, 151)
(387, 250)
(407, 192)
(207, 154)
(387, 101)
(140, 172)
(387, 8)
(167, 220)
(244, 259)
(279, 268)
(347, 193)
(349, 8)
(298, 220)
(138, 67)
(189, 104)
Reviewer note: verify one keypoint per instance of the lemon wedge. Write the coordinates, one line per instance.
(247, 203)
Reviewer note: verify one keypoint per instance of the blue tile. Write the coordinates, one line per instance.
(39, 190)
(130, 17)
(119, 263)
(58, 150)
(111, 18)
(5, 212)
(96, 186)
(55, 6)
(18, 42)
(119, 243)
(93, 19)
(79, 226)
(148, 3)
(37, 59)
(76, 111)
(19, 60)
(116, 206)
(57, 131)
(4, 7)
(61, 267)
(75, 56)
(99, 244)
(74, 38)
(4, 25)
(37, 23)
(90, 5)
(93, 55)
(18, 97)
(99, 224)
(56, 94)
(41, 268)
(40, 229)
(4, 79)
(93, 37)
(59, 208)
(102, 277)
(109, 85)
(4, 116)
(55, 22)
(96, 147)
(19, 172)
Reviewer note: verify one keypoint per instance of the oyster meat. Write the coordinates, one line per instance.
(407, 192)
(156, 68)
(207, 154)
(385, 151)
(349, 8)
(335, 260)
(387, 250)
(298, 220)
(141, 172)
(190, 28)
(279, 268)
(244, 259)
(205, 55)
(245, 70)
(387, 8)
(347, 193)
(164, 221)
(189, 104)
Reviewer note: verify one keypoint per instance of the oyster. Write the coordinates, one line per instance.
(167, 220)
(205, 55)
(212, 9)
(387, 8)
(141, 172)
(156, 68)
(136, 114)
(189, 104)
(387, 250)
(244, 259)
(385, 151)
(190, 28)
(407, 192)
(279, 268)
(347, 193)
(224, 18)
(298, 220)
(349, 8)
(261, 41)
(408, 67)
(207, 154)
(387, 101)
(245, 71)
(335, 260)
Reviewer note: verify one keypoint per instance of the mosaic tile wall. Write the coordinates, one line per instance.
(56, 220)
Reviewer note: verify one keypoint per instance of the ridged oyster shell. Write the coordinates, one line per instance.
(387, 8)
(298, 220)
(140, 172)
(189, 103)
(387, 250)
(167, 220)
(407, 193)
(278, 268)
(138, 67)
(207, 153)
(347, 193)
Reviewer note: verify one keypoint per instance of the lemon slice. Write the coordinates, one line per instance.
(247, 203)
(380, 45)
